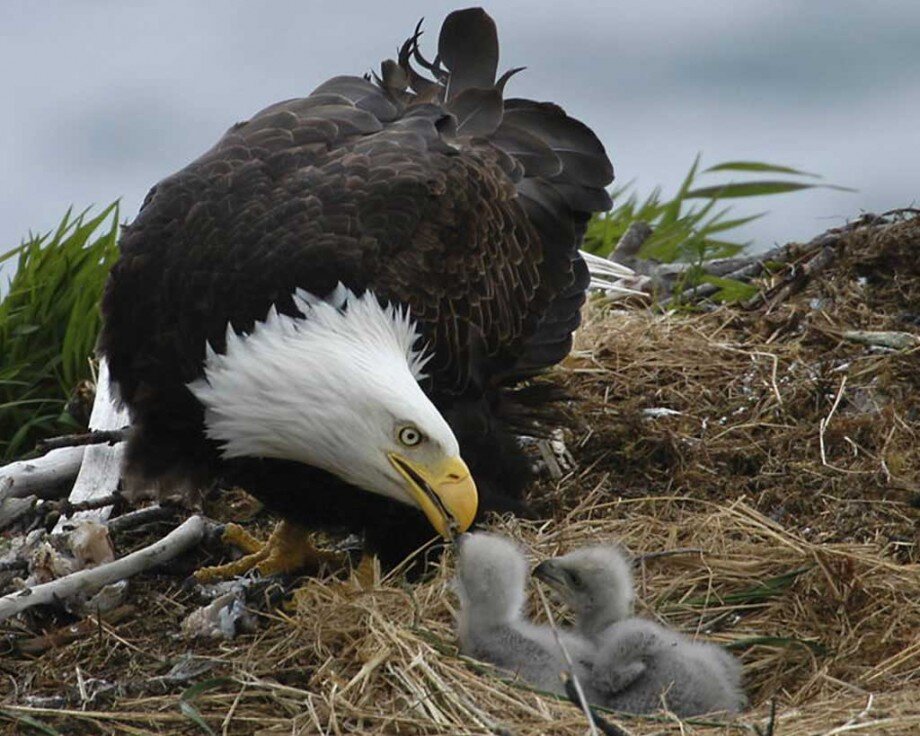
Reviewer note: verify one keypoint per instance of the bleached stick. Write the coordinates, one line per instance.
(891, 340)
(45, 477)
(139, 517)
(92, 437)
(183, 537)
(598, 265)
(12, 509)
(583, 701)
(607, 276)
(101, 469)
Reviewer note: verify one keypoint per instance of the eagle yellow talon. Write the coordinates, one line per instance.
(238, 537)
(287, 550)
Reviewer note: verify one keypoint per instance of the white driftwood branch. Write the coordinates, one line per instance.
(609, 276)
(43, 477)
(626, 251)
(12, 509)
(891, 340)
(606, 267)
(101, 469)
(90, 580)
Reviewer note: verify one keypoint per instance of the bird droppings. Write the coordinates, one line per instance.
(223, 618)
(83, 544)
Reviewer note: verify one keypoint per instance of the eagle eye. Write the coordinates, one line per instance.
(577, 581)
(409, 435)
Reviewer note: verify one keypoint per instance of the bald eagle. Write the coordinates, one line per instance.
(334, 307)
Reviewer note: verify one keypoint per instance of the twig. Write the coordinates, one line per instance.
(894, 340)
(816, 254)
(771, 722)
(68, 508)
(12, 509)
(605, 726)
(14, 565)
(93, 437)
(101, 469)
(173, 544)
(738, 269)
(749, 267)
(849, 725)
(138, 518)
(45, 477)
(822, 425)
(808, 270)
(668, 553)
(72, 632)
(826, 243)
(582, 701)
(626, 251)
(549, 459)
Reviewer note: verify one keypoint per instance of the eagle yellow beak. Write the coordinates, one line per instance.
(445, 492)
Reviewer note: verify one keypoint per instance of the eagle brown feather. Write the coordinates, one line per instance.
(466, 208)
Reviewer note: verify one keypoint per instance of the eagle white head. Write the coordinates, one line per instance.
(338, 389)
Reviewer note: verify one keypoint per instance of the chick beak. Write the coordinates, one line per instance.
(551, 574)
(445, 492)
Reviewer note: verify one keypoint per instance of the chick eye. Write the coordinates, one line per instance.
(409, 436)
(577, 582)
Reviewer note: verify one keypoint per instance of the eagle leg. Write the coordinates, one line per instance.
(238, 537)
(287, 550)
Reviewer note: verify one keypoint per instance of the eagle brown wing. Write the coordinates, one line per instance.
(434, 193)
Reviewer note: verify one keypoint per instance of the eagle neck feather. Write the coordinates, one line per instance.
(301, 387)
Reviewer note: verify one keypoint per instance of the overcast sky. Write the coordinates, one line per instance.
(101, 99)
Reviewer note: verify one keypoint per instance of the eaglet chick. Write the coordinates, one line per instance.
(640, 665)
(490, 580)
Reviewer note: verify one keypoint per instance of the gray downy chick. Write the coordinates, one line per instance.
(595, 582)
(490, 580)
(640, 665)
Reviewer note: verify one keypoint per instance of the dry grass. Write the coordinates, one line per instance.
(789, 480)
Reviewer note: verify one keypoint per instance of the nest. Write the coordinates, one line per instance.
(763, 468)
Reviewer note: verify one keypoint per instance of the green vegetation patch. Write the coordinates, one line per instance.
(49, 321)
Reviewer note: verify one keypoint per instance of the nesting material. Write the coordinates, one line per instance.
(804, 563)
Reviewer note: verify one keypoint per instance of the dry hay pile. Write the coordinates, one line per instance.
(781, 485)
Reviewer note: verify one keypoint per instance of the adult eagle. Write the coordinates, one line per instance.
(332, 306)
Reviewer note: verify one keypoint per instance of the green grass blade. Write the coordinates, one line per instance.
(12, 253)
(761, 593)
(191, 712)
(32, 723)
(730, 290)
(756, 189)
(724, 225)
(777, 641)
(188, 696)
(49, 320)
(758, 167)
(683, 231)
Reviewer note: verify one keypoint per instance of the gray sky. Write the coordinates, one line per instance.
(101, 99)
